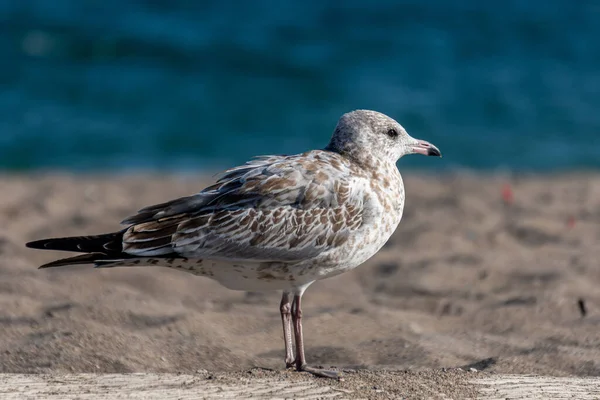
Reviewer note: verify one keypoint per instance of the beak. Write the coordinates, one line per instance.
(426, 148)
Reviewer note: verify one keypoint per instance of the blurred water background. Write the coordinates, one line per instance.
(199, 85)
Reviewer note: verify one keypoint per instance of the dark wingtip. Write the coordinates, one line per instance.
(90, 258)
(52, 265)
(109, 242)
(37, 244)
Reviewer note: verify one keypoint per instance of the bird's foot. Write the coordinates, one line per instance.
(322, 373)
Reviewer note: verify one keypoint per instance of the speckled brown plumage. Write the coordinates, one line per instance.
(276, 222)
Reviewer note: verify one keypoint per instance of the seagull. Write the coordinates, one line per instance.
(275, 222)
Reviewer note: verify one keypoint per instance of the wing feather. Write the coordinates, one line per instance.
(275, 208)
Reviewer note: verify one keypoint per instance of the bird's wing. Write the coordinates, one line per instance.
(279, 208)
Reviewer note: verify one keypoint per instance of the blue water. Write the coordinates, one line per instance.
(194, 85)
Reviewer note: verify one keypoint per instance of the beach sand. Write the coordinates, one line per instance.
(485, 271)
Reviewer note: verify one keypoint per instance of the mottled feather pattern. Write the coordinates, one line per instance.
(276, 222)
(253, 209)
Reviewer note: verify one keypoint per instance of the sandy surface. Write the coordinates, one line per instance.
(466, 281)
(261, 384)
(254, 384)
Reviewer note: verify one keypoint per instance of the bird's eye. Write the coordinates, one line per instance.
(392, 133)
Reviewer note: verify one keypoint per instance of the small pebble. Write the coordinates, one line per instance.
(582, 307)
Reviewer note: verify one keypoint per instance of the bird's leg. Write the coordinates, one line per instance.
(286, 318)
(300, 359)
(297, 320)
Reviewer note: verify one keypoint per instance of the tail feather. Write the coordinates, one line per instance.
(111, 243)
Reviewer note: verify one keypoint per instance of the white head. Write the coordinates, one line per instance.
(366, 135)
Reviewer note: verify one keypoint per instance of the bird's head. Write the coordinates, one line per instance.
(369, 135)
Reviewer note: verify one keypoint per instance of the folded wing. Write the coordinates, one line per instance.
(280, 208)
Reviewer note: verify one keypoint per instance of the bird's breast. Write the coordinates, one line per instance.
(382, 211)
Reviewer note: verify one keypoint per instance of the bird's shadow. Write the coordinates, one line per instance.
(324, 356)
